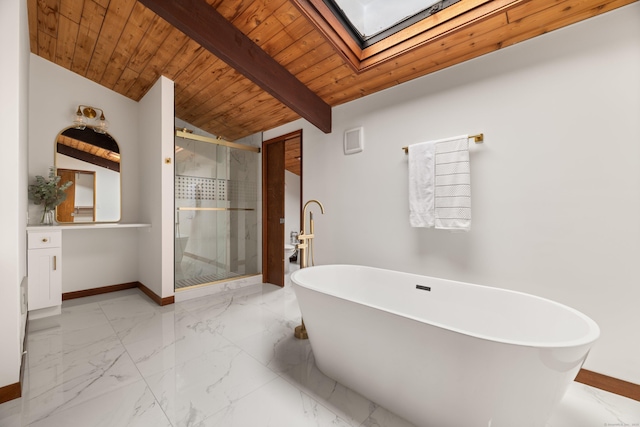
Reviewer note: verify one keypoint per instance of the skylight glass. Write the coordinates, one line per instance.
(370, 18)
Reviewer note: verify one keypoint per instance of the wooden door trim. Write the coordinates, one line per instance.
(265, 205)
(64, 211)
(273, 158)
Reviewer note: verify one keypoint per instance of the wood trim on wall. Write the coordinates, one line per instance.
(158, 300)
(98, 291)
(610, 384)
(114, 288)
(14, 391)
(10, 392)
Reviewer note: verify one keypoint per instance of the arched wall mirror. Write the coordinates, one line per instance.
(91, 160)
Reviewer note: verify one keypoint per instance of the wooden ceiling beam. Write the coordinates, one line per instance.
(202, 23)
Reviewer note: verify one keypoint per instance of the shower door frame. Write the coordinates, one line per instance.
(182, 133)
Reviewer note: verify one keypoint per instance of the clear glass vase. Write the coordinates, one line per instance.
(47, 217)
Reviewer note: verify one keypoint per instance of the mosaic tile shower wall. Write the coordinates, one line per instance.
(197, 188)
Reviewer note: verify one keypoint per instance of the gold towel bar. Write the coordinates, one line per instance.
(476, 138)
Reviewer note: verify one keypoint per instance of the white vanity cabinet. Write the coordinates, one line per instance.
(44, 263)
(44, 269)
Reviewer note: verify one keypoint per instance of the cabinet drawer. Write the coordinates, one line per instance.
(44, 239)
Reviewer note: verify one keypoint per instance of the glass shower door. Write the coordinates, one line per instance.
(216, 213)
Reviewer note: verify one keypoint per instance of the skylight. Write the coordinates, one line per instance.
(372, 20)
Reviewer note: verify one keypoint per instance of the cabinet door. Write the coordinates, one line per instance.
(45, 278)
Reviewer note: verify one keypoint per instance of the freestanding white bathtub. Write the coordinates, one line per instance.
(442, 353)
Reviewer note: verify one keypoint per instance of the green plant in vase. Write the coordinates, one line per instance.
(49, 193)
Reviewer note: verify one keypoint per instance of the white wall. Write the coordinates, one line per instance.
(14, 73)
(156, 257)
(291, 205)
(91, 258)
(556, 185)
(54, 96)
(84, 183)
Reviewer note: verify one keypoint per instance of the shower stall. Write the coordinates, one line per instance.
(216, 210)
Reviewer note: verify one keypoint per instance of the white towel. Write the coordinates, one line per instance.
(421, 184)
(439, 184)
(452, 184)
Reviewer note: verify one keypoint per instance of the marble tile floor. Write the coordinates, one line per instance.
(227, 360)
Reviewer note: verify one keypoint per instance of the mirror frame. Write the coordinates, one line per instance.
(108, 164)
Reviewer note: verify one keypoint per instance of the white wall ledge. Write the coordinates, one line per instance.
(86, 226)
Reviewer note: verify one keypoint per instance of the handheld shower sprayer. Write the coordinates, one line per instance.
(306, 239)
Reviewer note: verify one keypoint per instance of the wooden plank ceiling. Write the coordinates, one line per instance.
(124, 46)
(90, 149)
